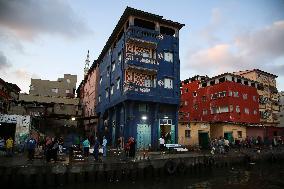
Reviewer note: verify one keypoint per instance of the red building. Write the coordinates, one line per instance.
(228, 102)
(223, 98)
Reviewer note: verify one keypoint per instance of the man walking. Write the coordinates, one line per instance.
(86, 147)
(104, 146)
(162, 143)
(31, 145)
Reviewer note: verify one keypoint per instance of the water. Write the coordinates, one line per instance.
(264, 176)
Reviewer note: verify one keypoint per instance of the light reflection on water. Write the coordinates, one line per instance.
(263, 176)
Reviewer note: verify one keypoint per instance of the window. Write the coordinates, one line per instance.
(246, 111)
(222, 94)
(101, 79)
(238, 109)
(108, 71)
(254, 112)
(204, 112)
(67, 91)
(143, 108)
(119, 57)
(203, 98)
(231, 108)
(254, 98)
(148, 83)
(55, 90)
(112, 66)
(106, 92)
(195, 106)
(185, 103)
(31, 88)
(194, 94)
(111, 89)
(245, 96)
(168, 83)
(224, 109)
(187, 133)
(214, 110)
(68, 80)
(168, 56)
(186, 90)
(236, 94)
(118, 83)
(99, 98)
(239, 134)
(230, 93)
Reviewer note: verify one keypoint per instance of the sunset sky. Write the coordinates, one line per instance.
(47, 38)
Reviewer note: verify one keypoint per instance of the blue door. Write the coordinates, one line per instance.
(143, 136)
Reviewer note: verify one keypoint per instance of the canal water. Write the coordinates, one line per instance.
(258, 176)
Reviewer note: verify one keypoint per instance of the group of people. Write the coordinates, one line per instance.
(6, 146)
(223, 145)
(130, 147)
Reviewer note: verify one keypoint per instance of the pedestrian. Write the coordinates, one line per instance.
(48, 149)
(127, 147)
(31, 145)
(2, 146)
(96, 149)
(104, 146)
(132, 148)
(86, 147)
(226, 145)
(9, 146)
(162, 143)
(60, 145)
(55, 148)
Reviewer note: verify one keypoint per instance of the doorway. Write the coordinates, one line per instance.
(143, 136)
(8, 130)
(203, 139)
(229, 136)
(167, 130)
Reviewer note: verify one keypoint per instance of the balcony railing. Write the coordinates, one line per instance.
(139, 60)
(142, 33)
(130, 88)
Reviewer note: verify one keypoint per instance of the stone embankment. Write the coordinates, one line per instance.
(57, 174)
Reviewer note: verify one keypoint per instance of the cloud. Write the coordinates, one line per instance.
(30, 18)
(4, 64)
(262, 49)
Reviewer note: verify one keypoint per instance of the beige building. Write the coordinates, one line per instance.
(268, 95)
(63, 87)
(194, 134)
(228, 130)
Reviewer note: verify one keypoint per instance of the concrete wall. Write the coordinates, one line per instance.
(22, 125)
(217, 130)
(44, 87)
(194, 128)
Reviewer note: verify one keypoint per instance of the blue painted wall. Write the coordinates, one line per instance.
(121, 109)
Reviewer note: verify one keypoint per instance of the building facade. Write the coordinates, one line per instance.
(63, 87)
(281, 106)
(8, 92)
(268, 103)
(86, 92)
(138, 75)
(226, 101)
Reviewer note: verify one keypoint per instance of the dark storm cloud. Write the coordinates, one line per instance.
(28, 18)
(3, 61)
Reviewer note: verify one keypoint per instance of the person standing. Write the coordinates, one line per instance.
(132, 148)
(86, 147)
(162, 143)
(96, 149)
(31, 145)
(104, 146)
(9, 146)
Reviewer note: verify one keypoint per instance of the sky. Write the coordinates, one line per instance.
(44, 39)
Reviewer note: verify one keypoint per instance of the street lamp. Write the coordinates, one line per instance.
(73, 118)
(144, 118)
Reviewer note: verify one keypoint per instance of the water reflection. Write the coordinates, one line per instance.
(258, 176)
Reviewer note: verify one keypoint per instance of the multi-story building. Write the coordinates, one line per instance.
(138, 79)
(51, 106)
(8, 93)
(87, 91)
(281, 106)
(63, 87)
(268, 102)
(226, 103)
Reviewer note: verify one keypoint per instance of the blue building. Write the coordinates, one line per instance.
(138, 82)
